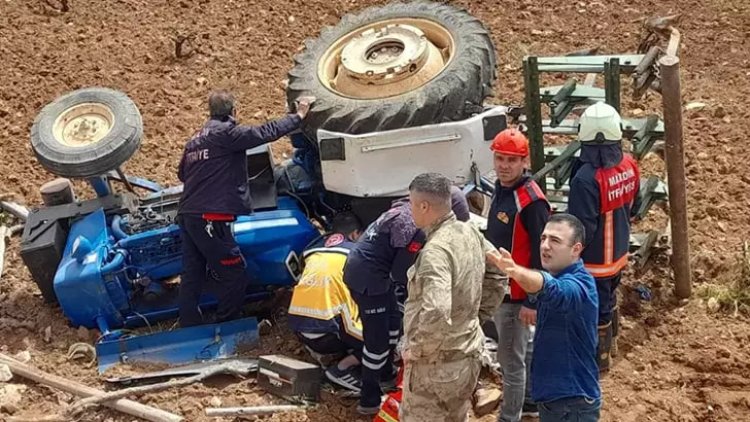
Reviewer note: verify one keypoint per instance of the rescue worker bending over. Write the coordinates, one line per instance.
(213, 169)
(322, 312)
(515, 222)
(443, 338)
(603, 188)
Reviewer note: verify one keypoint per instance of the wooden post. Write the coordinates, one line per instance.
(69, 386)
(675, 158)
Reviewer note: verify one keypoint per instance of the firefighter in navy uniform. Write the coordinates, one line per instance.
(375, 273)
(603, 190)
(213, 170)
(322, 312)
(517, 216)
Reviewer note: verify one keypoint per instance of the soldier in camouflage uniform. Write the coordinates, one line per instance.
(443, 337)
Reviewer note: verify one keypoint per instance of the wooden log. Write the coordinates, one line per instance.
(69, 386)
(676, 177)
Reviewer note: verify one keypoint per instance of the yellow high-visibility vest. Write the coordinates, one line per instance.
(321, 293)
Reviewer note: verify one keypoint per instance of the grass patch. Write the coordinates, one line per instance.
(733, 295)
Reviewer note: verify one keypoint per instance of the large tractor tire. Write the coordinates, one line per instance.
(395, 66)
(87, 132)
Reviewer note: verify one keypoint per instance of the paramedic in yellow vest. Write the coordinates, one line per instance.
(322, 312)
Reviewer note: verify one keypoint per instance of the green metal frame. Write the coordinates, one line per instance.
(562, 99)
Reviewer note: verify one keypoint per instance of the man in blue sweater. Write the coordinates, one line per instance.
(564, 372)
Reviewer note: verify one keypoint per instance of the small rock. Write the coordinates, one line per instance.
(264, 327)
(637, 112)
(215, 402)
(82, 333)
(719, 112)
(10, 397)
(695, 106)
(486, 400)
(630, 356)
(5, 374)
(290, 19)
(701, 155)
(48, 334)
(536, 32)
(722, 226)
(713, 304)
(726, 119)
(201, 81)
(23, 357)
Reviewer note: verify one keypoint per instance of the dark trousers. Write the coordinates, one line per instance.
(334, 344)
(607, 291)
(573, 409)
(209, 251)
(381, 329)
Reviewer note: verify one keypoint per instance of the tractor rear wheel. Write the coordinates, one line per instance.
(87, 132)
(395, 66)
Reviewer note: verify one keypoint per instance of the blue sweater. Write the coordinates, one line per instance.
(564, 360)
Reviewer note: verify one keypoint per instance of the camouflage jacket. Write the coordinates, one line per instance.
(448, 291)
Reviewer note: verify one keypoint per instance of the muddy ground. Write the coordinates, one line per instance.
(679, 361)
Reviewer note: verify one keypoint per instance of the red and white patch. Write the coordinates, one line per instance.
(414, 247)
(334, 240)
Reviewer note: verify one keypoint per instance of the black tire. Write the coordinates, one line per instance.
(94, 159)
(454, 94)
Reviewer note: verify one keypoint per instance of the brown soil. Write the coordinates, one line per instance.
(677, 363)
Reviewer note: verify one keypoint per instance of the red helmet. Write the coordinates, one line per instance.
(511, 142)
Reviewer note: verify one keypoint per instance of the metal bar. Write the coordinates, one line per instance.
(642, 140)
(648, 60)
(563, 93)
(612, 83)
(534, 113)
(581, 92)
(629, 127)
(101, 186)
(409, 143)
(642, 82)
(643, 253)
(588, 64)
(124, 180)
(568, 153)
(675, 157)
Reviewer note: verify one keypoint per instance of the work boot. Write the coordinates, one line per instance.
(486, 400)
(615, 330)
(367, 410)
(604, 347)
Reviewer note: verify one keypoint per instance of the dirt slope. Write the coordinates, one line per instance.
(679, 363)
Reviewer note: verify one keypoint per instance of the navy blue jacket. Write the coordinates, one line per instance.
(602, 198)
(564, 361)
(214, 164)
(384, 252)
(502, 228)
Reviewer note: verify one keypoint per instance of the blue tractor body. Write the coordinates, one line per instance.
(110, 280)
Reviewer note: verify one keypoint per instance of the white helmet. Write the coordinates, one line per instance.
(600, 123)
